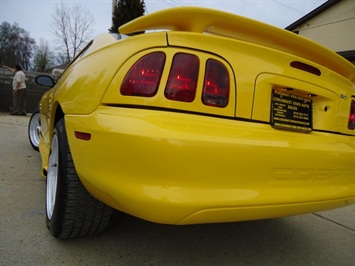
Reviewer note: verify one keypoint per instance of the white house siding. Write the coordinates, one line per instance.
(333, 28)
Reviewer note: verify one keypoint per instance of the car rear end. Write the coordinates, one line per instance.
(213, 128)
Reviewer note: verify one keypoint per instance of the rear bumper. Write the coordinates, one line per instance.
(178, 168)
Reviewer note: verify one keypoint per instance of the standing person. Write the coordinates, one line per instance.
(19, 91)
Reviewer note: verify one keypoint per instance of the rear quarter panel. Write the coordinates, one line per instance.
(83, 84)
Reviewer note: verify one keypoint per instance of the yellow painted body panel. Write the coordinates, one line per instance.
(177, 162)
(202, 20)
(254, 66)
(166, 166)
(113, 95)
(83, 84)
(330, 112)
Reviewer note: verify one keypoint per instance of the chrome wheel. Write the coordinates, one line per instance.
(34, 128)
(52, 176)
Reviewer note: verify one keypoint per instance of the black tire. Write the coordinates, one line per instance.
(34, 127)
(70, 210)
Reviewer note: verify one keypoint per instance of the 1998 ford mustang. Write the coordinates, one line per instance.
(218, 118)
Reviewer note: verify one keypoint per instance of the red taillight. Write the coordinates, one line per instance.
(216, 84)
(183, 76)
(144, 76)
(351, 124)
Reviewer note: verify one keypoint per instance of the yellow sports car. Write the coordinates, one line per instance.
(214, 118)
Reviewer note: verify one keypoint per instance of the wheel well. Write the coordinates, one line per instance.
(58, 115)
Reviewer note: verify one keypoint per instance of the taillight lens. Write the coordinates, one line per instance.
(182, 79)
(82, 135)
(216, 84)
(351, 124)
(144, 76)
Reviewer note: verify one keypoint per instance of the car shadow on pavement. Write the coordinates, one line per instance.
(264, 242)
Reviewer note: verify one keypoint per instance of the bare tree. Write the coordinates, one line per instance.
(73, 27)
(44, 57)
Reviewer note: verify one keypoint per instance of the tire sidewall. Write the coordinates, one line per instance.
(75, 211)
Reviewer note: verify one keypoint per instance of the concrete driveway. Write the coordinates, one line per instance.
(326, 238)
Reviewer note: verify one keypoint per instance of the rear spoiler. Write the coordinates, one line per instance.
(203, 20)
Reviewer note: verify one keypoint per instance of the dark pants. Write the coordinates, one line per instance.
(19, 101)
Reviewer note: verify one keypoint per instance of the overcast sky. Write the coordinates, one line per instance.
(35, 15)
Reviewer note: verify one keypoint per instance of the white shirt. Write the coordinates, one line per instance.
(19, 77)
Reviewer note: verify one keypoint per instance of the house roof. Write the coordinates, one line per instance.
(312, 14)
(349, 55)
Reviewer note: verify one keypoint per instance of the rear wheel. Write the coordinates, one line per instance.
(71, 211)
(34, 127)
